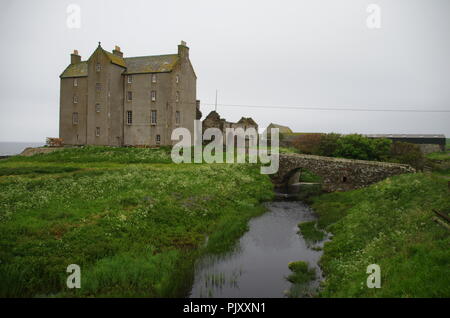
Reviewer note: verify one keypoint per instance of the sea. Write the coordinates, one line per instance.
(10, 148)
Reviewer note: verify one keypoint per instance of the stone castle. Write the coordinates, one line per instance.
(113, 100)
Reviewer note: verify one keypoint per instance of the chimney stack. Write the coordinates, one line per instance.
(74, 57)
(117, 51)
(183, 50)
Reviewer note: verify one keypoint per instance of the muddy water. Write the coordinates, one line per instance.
(259, 266)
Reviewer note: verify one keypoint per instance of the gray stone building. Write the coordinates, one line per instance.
(113, 100)
(213, 120)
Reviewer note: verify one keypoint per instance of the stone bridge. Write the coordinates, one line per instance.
(337, 174)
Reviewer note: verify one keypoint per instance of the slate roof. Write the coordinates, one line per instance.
(132, 65)
(76, 70)
(282, 129)
(150, 64)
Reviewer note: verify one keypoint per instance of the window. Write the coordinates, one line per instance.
(177, 117)
(177, 97)
(97, 108)
(129, 96)
(158, 139)
(75, 82)
(129, 117)
(153, 117)
(97, 131)
(75, 99)
(98, 87)
(130, 79)
(98, 67)
(153, 78)
(177, 79)
(75, 118)
(153, 96)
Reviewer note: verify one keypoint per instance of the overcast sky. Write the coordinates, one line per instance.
(302, 53)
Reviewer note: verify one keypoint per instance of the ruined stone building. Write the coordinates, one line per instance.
(113, 100)
(213, 120)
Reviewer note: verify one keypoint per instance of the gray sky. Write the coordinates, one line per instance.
(311, 53)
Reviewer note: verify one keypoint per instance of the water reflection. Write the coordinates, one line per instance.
(259, 266)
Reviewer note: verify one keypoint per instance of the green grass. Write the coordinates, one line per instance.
(132, 220)
(99, 154)
(300, 278)
(308, 176)
(310, 232)
(439, 155)
(391, 224)
(301, 273)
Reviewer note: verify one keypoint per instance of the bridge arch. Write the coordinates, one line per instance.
(337, 174)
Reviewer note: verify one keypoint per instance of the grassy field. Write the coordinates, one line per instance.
(132, 220)
(391, 224)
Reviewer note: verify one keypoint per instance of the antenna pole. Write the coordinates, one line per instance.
(215, 108)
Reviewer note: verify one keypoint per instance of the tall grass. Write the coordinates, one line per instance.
(391, 224)
(134, 229)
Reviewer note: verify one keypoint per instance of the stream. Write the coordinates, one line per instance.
(258, 267)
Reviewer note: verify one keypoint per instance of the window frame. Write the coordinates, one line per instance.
(75, 82)
(177, 117)
(97, 131)
(155, 121)
(75, 99)
(75, 119)
(130, 79)
(153, 96)
(129, 117)
(98, 67)
(153, 80)
(129, 96)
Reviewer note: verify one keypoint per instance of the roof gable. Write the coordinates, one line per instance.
(132, 65)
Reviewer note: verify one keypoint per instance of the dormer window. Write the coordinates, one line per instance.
(153, 78)
(98, 67)
(130, 79)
